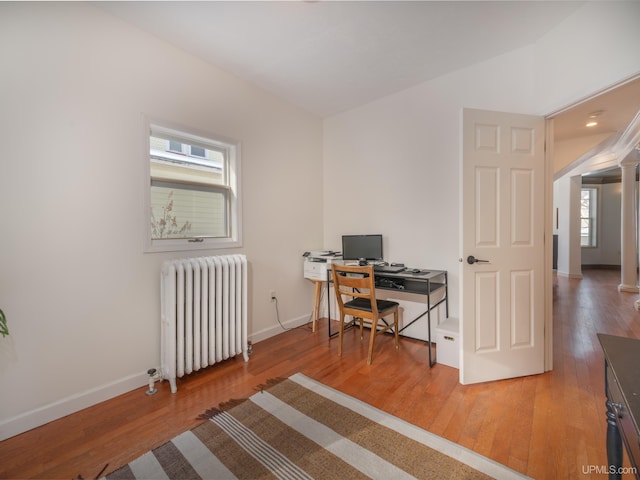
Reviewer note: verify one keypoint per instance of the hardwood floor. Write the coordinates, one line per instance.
(548, 426)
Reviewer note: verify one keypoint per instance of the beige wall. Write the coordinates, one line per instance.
(81, 297)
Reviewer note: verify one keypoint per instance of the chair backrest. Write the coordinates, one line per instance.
(354, 281)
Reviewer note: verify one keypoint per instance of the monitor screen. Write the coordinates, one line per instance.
(355, 247)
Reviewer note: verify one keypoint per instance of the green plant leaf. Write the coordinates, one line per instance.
(4, 330)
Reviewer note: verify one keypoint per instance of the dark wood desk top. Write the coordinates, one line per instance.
(423, 274)
(623, 357)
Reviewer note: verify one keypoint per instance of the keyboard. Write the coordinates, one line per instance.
(388, 269)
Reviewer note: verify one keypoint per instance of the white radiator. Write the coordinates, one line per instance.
(204, 313)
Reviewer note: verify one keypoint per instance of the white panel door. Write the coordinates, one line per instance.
(502, 257)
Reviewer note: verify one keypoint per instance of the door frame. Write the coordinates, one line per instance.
(548, 234)
(548, 244)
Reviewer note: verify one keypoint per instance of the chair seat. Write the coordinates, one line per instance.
(365, 304)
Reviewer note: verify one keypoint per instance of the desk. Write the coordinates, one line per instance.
(315, 269)
(622, 387)
(425, 282)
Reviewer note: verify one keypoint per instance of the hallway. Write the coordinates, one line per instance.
(583, 308)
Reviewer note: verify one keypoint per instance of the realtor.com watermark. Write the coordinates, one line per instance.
(608, 470)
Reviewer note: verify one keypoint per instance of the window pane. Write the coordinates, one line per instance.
(175, 146)
(585, 229)
(182, 211)
(204, 166)
(185, 173)
(588, 209)
(198, 151)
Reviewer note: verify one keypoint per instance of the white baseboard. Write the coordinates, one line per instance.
(53, 411)
(66, 406)
(628, 288)
(276, 329)
(568, 275)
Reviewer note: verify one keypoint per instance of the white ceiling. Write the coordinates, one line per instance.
(618, 117)
(331, 56)
(616, 109)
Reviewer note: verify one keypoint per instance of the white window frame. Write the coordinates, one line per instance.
(593, 216)
(232, 172)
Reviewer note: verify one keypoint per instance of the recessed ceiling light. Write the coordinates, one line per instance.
(592, 119)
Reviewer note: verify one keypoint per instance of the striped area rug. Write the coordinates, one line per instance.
(298, 428)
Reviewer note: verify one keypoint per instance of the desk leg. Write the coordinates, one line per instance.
(316, 303)
(432, 360)
(446, 292)
(614, 443)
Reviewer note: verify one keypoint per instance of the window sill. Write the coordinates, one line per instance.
(184, 245)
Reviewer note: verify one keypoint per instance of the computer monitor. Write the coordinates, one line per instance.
(359, 247)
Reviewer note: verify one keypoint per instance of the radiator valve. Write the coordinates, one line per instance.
(154, 376)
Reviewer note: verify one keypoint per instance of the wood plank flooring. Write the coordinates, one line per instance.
(549, 426)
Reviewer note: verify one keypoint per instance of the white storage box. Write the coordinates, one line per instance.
(316, 270)
(448, 342)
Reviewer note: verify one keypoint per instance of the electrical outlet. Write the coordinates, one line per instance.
(272, 295)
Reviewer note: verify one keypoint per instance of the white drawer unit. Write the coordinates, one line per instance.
(448, 342)
(316, 270)
(316, 264)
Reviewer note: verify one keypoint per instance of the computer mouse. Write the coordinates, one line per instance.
(415, 270)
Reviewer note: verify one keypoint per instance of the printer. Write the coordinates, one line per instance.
(316, 263)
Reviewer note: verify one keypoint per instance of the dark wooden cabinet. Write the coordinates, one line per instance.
(622, 387)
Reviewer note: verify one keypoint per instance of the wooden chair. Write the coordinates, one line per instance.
(358, 282)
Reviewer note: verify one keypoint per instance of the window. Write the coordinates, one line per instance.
(588, 217)
(193, 195)
(185, 149)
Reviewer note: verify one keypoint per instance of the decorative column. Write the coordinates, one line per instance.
(634, 156)
(629, 257)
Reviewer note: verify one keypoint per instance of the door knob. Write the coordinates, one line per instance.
(471, 260)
